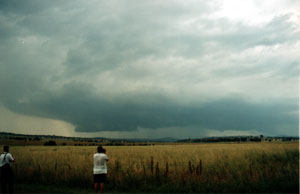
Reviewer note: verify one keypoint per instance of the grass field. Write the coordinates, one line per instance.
(201, 168)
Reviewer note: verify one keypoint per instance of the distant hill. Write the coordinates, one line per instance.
(136, 141)
(96, 139)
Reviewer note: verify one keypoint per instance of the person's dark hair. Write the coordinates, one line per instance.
(5, 148)
(99, 149)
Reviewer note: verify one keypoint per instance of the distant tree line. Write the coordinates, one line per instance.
(25, 138)
(260, 138)
(50, 143)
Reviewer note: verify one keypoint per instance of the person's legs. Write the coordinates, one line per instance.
(3, 186)
(10, 185)
(3, 180)
(102, 181)
(10, 181)
(101, 187)
(96, 187)
(96, 182)
(10, 188)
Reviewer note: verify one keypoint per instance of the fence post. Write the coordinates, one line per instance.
(151, 165)
(190, 167)
(167, 169)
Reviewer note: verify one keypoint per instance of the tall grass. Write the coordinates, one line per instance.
(249, 167)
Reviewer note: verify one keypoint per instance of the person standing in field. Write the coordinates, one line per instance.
(6, 171)
(100, 169)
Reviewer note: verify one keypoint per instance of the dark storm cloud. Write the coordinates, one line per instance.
(118, 66)
(79, 106)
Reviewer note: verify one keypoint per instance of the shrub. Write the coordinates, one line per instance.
(50, 143)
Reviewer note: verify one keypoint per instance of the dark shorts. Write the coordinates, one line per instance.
(6, 174)
(99, 178)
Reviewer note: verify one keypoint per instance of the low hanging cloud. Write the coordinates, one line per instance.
(121, 66)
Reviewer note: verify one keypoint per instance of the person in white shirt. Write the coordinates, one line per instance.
(100, 169)
(6, 171)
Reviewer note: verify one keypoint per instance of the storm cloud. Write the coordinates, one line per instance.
(121, 66)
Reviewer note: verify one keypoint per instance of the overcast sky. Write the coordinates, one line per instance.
(149, 69)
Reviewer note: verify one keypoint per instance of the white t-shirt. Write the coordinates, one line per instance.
(7, 160)
(100, 160)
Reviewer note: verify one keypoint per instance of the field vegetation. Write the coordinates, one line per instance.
(210, 167)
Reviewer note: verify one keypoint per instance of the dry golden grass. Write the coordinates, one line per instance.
(212, 165)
